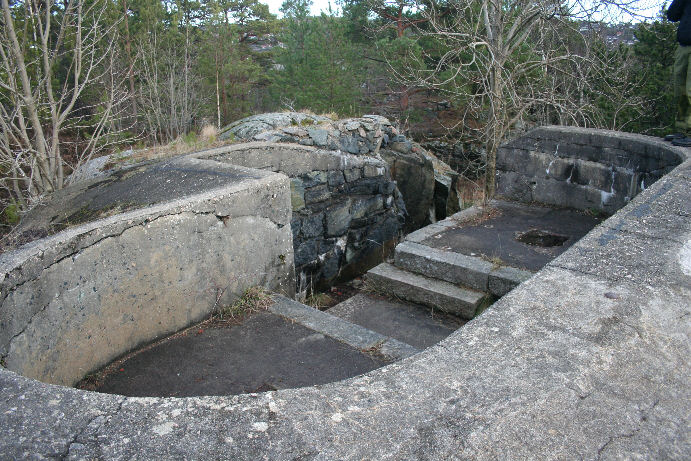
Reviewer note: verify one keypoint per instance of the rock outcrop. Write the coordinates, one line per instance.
(426, 183)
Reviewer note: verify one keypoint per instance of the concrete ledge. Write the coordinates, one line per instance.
(589, 359)
(341, 330)
(457, 268)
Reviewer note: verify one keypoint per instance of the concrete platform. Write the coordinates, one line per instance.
(409, 323)
(266, 352)
(494, 238)
(589, 359)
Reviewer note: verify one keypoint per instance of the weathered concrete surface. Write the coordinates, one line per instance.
(582, 168)
(125, 190)
(494, 238)
(335, 327)
(427, 291)
(412, 324)
(471, 271)
(74, 301)
(586, 360)
(266, 352)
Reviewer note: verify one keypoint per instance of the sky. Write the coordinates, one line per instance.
(646, 8)
(317, 6)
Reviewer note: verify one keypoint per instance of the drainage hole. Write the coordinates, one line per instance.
(541, 238)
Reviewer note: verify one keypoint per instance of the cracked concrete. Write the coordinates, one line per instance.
(587, 359)
(74, 301)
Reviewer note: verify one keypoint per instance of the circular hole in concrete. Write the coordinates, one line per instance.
(541, 238)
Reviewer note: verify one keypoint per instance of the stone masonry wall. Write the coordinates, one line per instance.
(427, 185)
(347, 212)
(581, 168)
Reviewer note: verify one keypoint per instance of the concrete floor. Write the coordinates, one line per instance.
(412, 324)
(495, 237)
(265, 353)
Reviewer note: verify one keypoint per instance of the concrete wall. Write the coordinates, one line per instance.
(580, 168)
(347, 212)
(74, 301)
(589, 359)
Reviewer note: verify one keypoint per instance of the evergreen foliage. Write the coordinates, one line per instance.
(176, 65)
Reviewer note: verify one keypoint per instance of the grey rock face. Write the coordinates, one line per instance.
(313, 225)
(414, 177)
(297, 194)
(371, 136)
(338, 219)
(317, 194)
(249, 127)
(319, 136)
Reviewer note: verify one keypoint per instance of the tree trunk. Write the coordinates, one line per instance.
(493, 129)
(130, 63)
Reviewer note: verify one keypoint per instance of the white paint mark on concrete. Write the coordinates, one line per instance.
(337, 417)
(165, 428)
(605, 197)
(261, 426)
(685, 258)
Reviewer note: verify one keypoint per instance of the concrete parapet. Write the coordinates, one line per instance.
(582, 168)
(78, 298)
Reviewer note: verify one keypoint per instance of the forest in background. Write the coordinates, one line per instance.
(79, 78)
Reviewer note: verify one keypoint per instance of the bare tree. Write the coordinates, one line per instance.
(506, 62)
(485, 65)
(39, 108)
(169, 98)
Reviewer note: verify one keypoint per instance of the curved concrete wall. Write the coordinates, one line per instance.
(586, 360)
(581, 168)
(72, 302)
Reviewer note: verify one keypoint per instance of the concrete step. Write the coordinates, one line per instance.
(342, 330)
(443, 265)
(457, 268)
(427, 291)
(419, 326)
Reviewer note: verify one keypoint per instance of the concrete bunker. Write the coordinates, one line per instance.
(589, 358)
(192, 233)
(150, 249)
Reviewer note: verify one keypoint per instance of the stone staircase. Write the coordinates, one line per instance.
(452, 282)
(429, 293)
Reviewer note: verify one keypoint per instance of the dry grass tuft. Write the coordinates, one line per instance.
(320, 301)
(209, 134)
(332, 115)
(254, 299)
